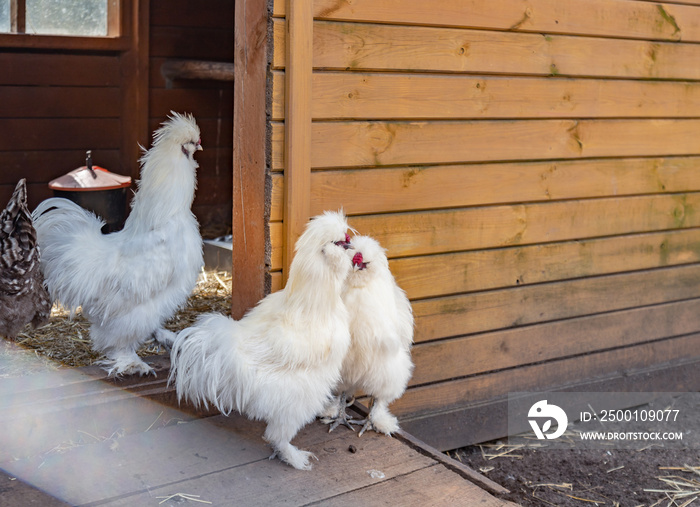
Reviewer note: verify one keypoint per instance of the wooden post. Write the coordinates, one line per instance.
(134, 68)
(249, 220)
(297, 150)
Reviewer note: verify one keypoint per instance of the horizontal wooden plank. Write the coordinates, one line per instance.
(59, 102)
(43, 166)
(202, 103)
(218, 14)
(231, 456)
(487, 421)
(50, 69)
(519, 306)
(411, 188)
(432, 232)
(461, 357)
(453, 273)
(59, 134)
(36, 192)
(434, 485)
(276, 281)
(367, 144)
(199, 43)
(360, 46)
(570, 371)
(423, 233)
(627, 19)
(354, 95)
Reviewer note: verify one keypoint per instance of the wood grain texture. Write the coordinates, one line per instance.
(133, 66)
(434, 232)
(626, 19)
(485, 421)
(361, 95)
(462, 357)
(570, 371)
(361, 46)
(532, 304)
(452, 273)
(431, 232)
(297, 143)
(60, 134)
(54, 101)
(37, 69)
(249, 163)
(371, 144)
(366, 191)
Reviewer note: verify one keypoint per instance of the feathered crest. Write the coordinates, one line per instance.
(326, 227)
(177, 129)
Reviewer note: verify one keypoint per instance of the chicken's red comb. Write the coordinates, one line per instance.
(357, 259)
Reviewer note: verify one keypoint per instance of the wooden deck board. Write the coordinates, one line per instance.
(85, 441)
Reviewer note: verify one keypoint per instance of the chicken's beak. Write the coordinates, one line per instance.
(358, 262)
(199, 147)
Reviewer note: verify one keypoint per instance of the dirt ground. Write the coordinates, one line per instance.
(537, 476)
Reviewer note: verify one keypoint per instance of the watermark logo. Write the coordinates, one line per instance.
(550, 412)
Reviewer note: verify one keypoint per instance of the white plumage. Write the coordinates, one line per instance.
(131, 281)
(378, 362)
(280, 362)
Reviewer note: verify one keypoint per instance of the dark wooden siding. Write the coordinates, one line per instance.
(57, 103)
(191, 30)
(53, 108)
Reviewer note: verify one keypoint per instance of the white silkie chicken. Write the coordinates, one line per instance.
(280, 362)
(378, 362)
(131, 281)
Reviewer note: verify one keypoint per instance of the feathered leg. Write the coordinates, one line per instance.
(164, 338)
(379, 419)
(121, 360)
(279, 434)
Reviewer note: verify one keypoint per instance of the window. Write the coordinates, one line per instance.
(83, 18)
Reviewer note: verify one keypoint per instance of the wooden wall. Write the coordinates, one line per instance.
(182, 30)
(532, 169)
(54, 107)
(62, 96)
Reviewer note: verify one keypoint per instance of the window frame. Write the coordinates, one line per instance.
(115, 40)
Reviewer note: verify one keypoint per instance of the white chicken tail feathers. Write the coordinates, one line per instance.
(67, 206)
(56, 220)
(203, 369)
